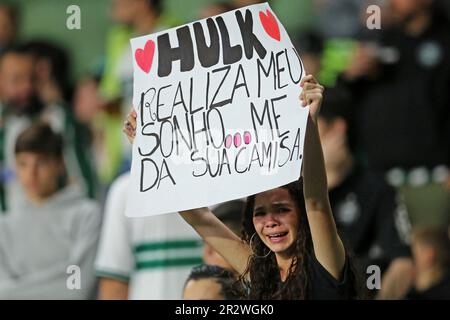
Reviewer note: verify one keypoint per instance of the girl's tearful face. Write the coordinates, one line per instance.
(275, 217)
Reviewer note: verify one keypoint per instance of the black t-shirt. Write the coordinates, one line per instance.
(440, 291)
(402, 115)
(323, 286)
(372, 222)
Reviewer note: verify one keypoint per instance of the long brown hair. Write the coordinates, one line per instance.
(262, 276)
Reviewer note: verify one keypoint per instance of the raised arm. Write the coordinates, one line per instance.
(328, 247)
(219, 237)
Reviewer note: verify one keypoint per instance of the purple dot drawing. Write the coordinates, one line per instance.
(247, 137)
(237, 140)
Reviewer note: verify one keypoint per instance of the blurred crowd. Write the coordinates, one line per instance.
(64, 161)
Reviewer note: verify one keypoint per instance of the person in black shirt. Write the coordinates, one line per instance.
(399, 78)
(400, 84)
(431, 252)
(372, 221)
(290, 248)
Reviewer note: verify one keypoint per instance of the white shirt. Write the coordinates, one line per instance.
(153, 254)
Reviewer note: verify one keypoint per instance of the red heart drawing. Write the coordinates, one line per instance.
(144, 57)
(270, 24)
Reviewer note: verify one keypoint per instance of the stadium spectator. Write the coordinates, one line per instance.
(51, 70)
(143, 258)
(209, 282)
(399, 83)
(54, 229)
(9, 23)
(19, 106)
(431, 252)
(371, 218)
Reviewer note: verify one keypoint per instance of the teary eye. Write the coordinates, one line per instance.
(258, 212)
(281, 207)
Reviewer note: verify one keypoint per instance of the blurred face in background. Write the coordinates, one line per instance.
(7, 26)
(405, 9)
(429, 254)
(123, 11)
(87, 102)
(39, 174)
(127, 11)
(16, 80)
(423, 256)
(333, 135)
(203, 289)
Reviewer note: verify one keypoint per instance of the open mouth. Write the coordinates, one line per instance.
(277, 237)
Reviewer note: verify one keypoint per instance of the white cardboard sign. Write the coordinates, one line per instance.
(219, 115)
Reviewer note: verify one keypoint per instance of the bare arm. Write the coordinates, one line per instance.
(219, 237)
(328, 247)
(111, 289)
(397, 279)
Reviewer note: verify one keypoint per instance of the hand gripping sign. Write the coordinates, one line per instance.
(218, 108)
